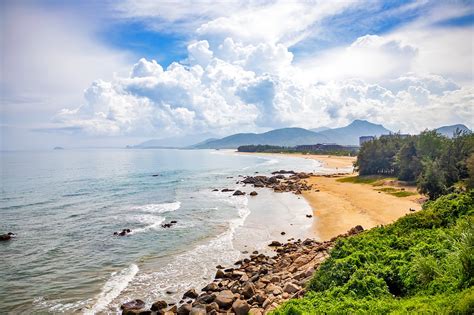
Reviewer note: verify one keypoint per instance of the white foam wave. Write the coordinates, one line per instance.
(117, 282)
(159, 207)
(151, 223)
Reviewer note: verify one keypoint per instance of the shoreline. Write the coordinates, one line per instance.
(259, 283)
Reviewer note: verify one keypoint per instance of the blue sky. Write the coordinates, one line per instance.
(97, 73)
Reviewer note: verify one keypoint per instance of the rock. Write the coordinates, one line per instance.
(224, 299)
(274, 243)
(191, 293)
(226, 190)
(256, 311)
(159, 305)
(241, 307)
(133, 305)
(309, 216)
(248, 290)
(206, 298)
(198, 310)
(212, 306)
(253, 193)
(238, 193)
(215, 189)
(283, 233)
(7, 237)
(184, 309)
(291, 288)
(174, 222)
(220, 274)
(211, 287)
(355, 230)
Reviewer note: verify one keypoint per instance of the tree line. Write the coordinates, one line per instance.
(437, 164)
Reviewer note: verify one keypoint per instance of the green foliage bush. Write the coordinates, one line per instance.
(423, 263)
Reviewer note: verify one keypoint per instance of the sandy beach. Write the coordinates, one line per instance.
(339, 206)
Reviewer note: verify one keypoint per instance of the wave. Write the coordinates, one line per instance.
(117, 282)
(159, 207)
(151, 223)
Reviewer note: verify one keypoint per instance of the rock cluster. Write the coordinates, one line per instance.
(295, 183)
(124, 232)
(7, 237)
(255, 285)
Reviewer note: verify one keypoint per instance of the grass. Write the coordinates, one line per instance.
(371, 179)
(422, 263)
(396, 192)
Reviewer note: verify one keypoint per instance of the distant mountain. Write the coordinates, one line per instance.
(280, 137)
(174, 142)
(319, 129)
(449, 131)
(349, 135)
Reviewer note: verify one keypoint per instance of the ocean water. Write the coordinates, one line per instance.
(65, 205)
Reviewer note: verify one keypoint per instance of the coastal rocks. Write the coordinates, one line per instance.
(238, 193)
(256, 284)
(240, 307)
(279, 183)
(168, 225)
(192, 294)
(253, 193)
(227, 190)
(274, 244)
(7, 237)
(124, 232)
(131, 307)
(225, 299)
(159, 305)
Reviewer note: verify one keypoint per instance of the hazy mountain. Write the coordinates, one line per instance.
(449, 131)
(319, 129)
(281, 137)
(174, 142)
(349, 135)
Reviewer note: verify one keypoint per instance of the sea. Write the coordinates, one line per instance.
(65, 205)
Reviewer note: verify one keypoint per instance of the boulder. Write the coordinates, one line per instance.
(198, 310)
(133, 305)
(211, 287)
(238, 193)
(256, 311)
(184, 309)
(226, 190)
(253, 193)
(248, 290)
(159, 305)
(240, 307)
(220, 274)
(224, 299)
(355, 230)
(291, 288)
(7, 237)
(191, 293)
(274, 243)
(309, 216)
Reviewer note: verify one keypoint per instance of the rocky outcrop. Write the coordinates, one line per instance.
(7, 237)
(124, 232)
(295, 183)
(256, 284)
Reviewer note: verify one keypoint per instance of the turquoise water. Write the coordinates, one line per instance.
(64, 206)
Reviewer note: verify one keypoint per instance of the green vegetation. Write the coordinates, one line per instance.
(436, 163)
(423, 263)
(374, 180)
(396, 192)
(329, 149)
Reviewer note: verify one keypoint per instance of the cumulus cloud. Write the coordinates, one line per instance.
(247, 87)
(240, 75)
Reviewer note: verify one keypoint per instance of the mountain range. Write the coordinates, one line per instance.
(348, 135)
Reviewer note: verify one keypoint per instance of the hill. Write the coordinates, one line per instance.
(448, 131)
(348, 135)
(280, 137)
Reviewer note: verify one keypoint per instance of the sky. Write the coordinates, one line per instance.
(112, 73)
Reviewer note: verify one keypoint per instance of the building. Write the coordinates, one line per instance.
(364, 139)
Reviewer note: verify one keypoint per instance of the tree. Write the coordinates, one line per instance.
(432, 181)
(409, 165)
(470, 169)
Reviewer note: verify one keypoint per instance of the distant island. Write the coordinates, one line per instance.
(58, 148)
